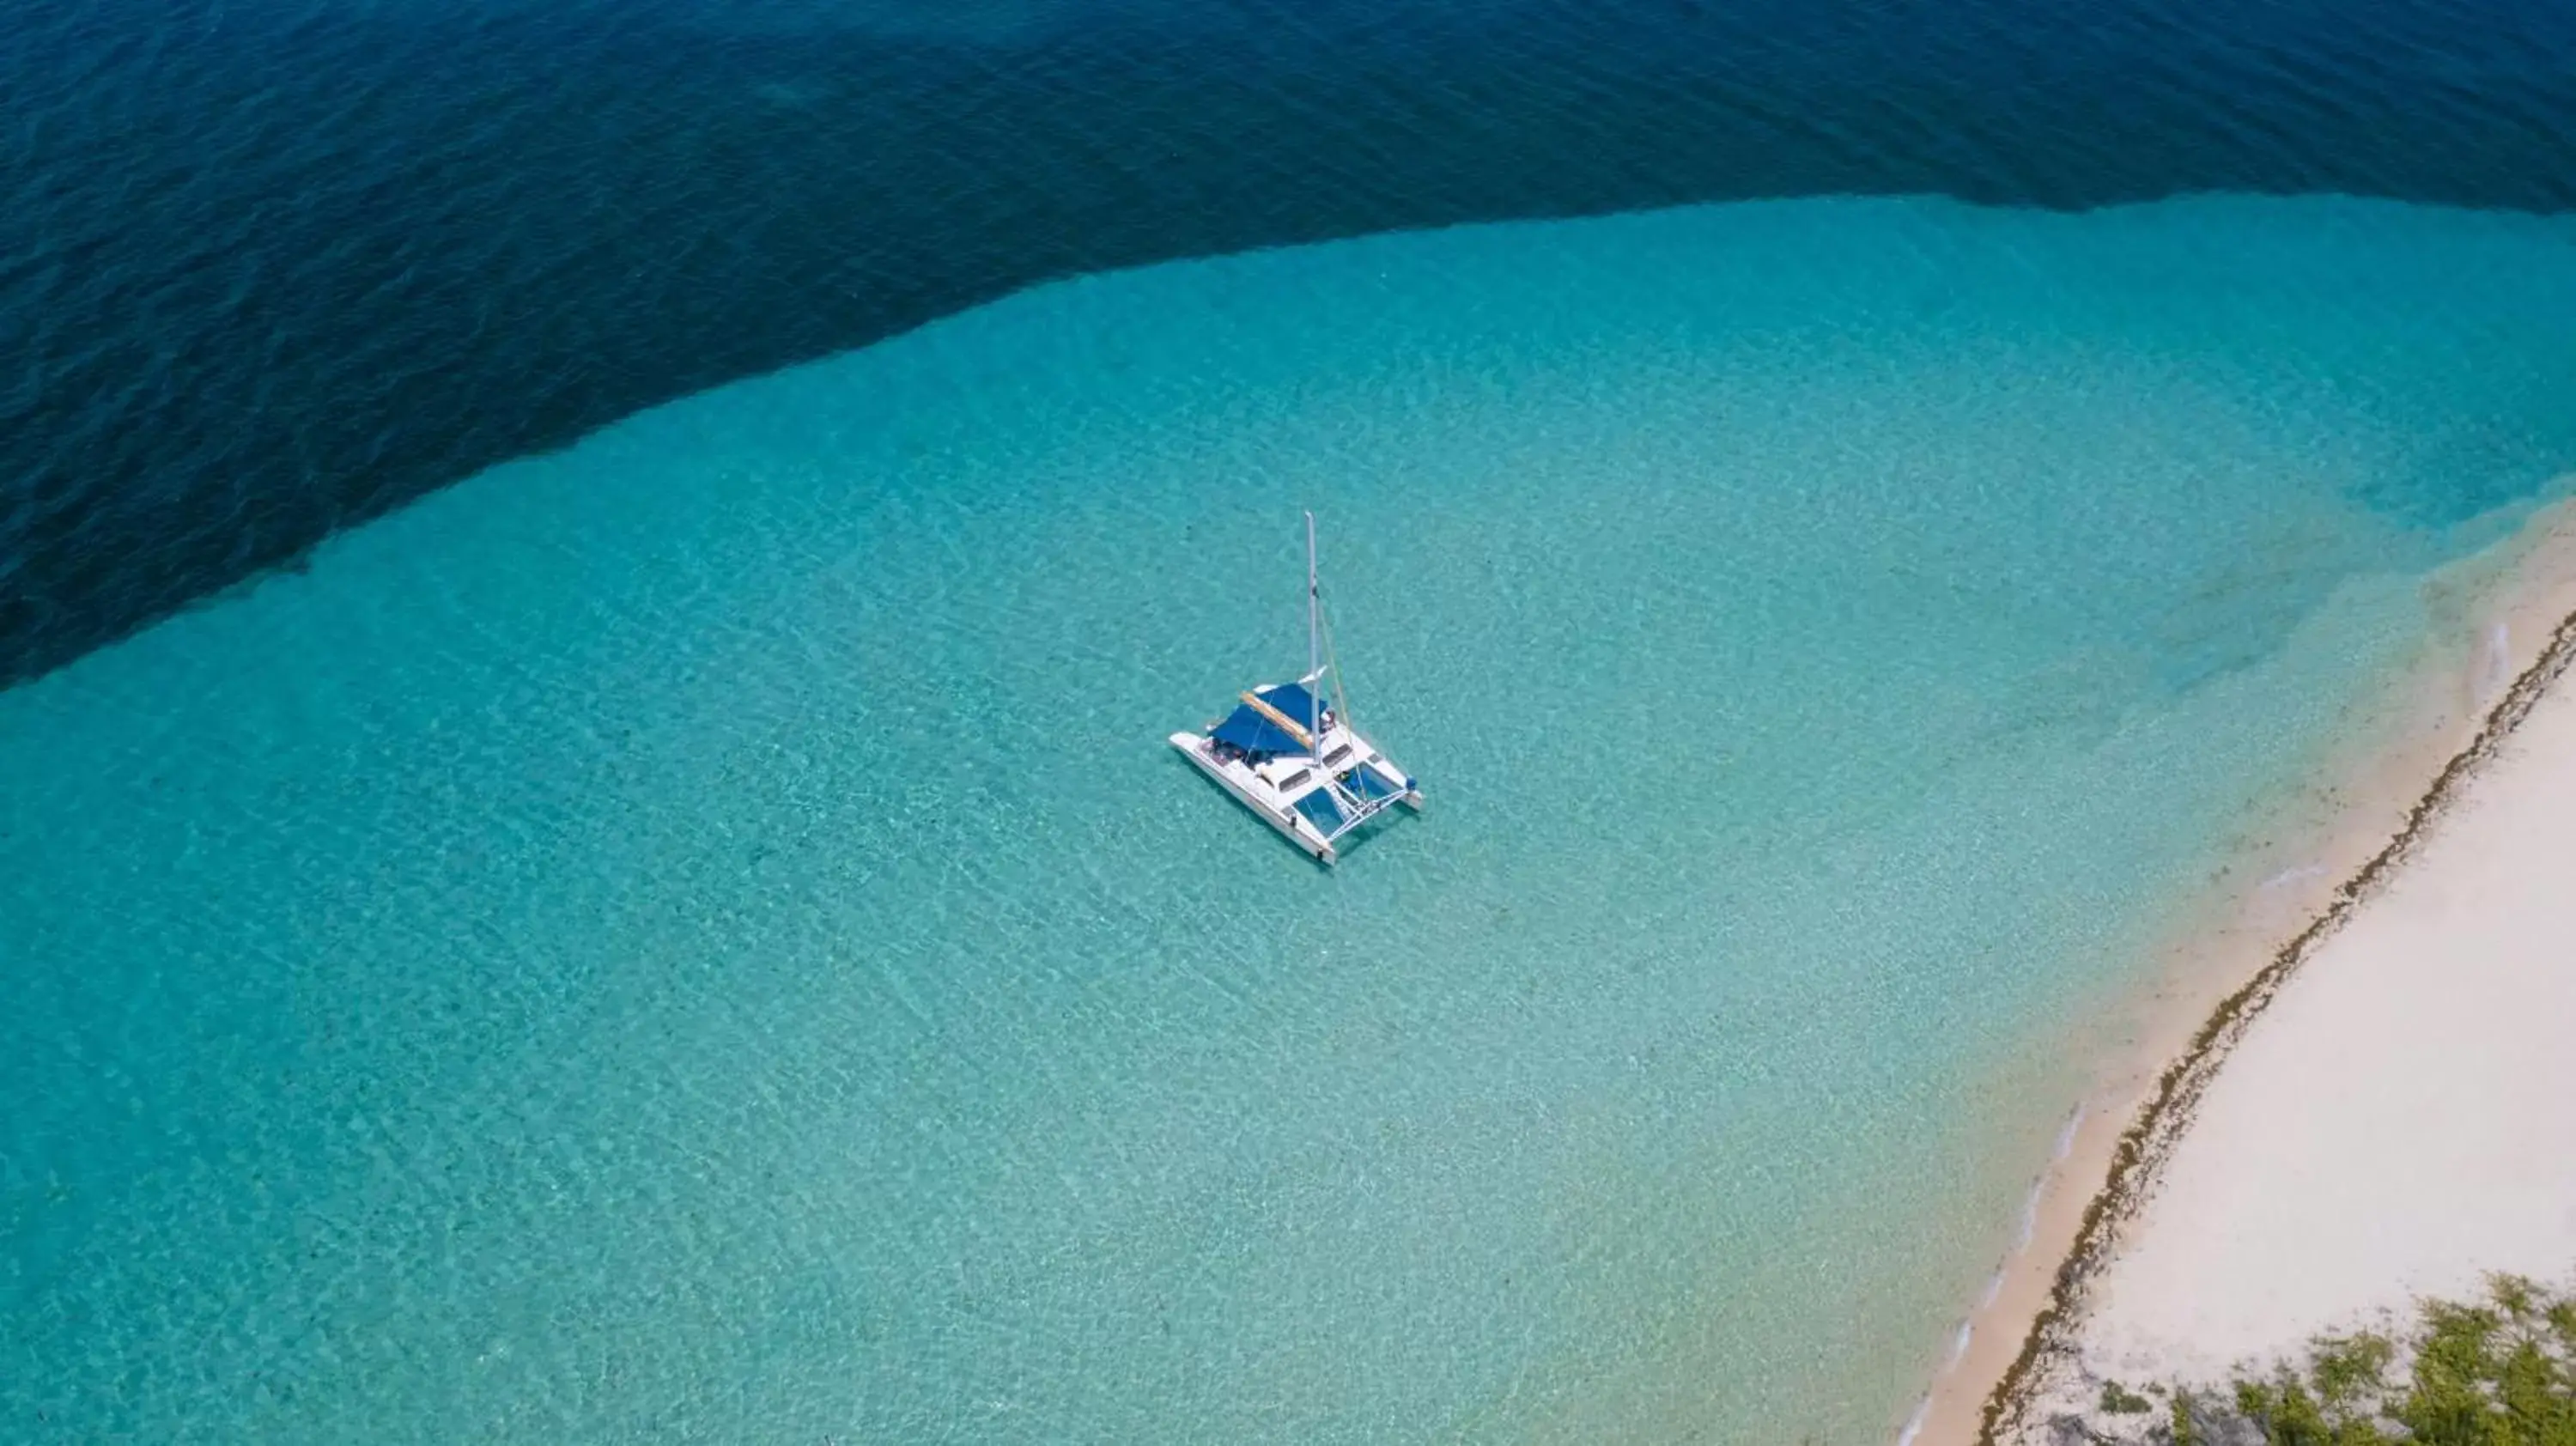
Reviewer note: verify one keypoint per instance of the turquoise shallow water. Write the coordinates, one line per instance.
(698, 937)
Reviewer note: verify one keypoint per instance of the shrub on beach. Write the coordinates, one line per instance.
(2495, 1372)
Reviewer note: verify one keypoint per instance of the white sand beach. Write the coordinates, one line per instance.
(2357, 1088)
(2400, 1120)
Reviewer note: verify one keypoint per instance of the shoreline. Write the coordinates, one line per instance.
(2504, 632)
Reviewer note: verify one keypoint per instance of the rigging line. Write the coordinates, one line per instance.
(1343, 799)
(1341, 695)
(1356, 796)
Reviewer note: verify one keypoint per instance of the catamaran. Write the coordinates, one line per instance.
(1291, 757)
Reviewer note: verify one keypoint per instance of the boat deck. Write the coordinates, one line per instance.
(1312, 798)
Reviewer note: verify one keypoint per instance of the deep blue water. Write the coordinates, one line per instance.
(269, 267)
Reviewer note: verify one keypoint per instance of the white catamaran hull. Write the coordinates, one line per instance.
(1288, 754)
(1273, 789)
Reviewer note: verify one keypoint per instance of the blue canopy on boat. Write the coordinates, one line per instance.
(1252, 731)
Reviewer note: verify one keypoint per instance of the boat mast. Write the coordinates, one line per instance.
(1314, 646)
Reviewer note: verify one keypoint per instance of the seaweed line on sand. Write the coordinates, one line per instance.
(2142, 1150)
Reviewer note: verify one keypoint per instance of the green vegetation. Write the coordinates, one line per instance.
(2500, 1372)
(2184, 1432)
(2119, 1400)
